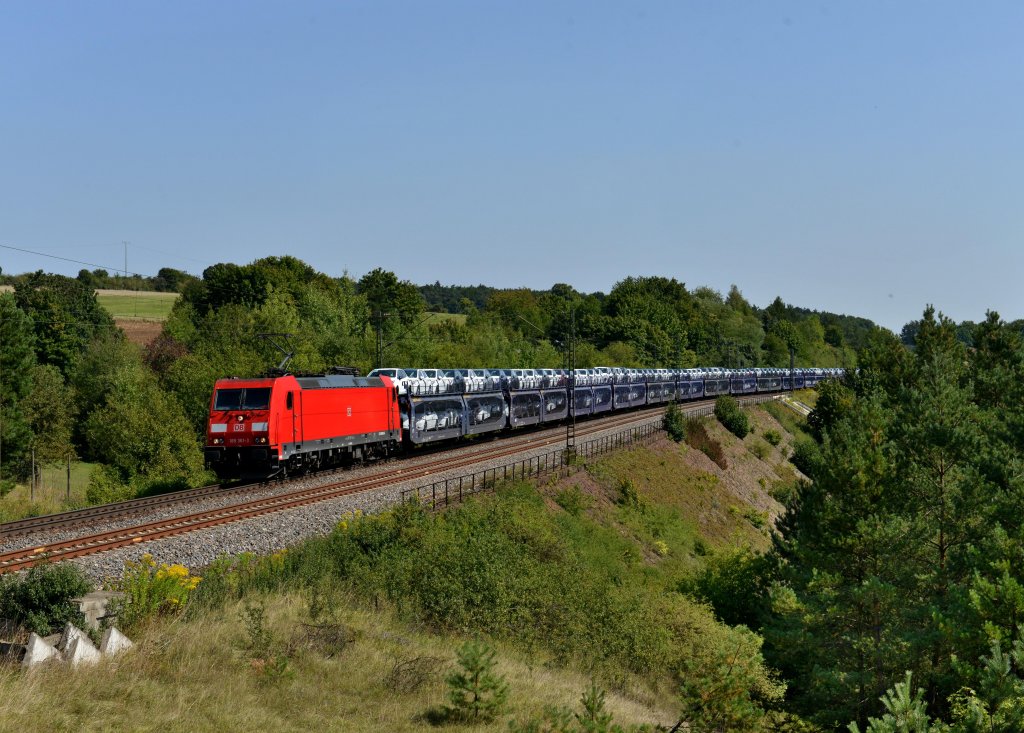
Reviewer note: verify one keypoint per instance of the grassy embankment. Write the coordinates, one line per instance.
(51, 495)
(574, 580)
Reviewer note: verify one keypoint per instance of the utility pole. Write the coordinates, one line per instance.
(792, 378)
(378, 358)
(125, 243)
(570, 425)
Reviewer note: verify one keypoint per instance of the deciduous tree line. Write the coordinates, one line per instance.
(74, 387)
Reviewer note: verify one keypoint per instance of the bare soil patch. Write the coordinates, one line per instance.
(139, 331)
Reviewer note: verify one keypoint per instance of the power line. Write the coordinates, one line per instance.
(65, 259)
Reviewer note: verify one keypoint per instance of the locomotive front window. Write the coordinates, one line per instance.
(253, 398)
(228, 399)
(256, 398)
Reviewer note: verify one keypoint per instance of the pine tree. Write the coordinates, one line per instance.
(475, 690)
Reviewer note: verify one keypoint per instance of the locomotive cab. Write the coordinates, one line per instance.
(239, 432)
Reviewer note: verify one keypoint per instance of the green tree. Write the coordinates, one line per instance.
(834, 401)
(17, 357)
(651, 314)
(905, 712)
(65, 316)
(476, 692)
(723, 690)
(835, 632)
(385, 293)
(728, 412)
(132, 424)
(50, 408)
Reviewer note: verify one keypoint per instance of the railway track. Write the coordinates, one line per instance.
(23, 558)
(20, 559)
(135, 507)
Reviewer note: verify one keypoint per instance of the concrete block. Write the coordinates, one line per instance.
(38, 652)
(82, 652)
(114, 642)
(94, 606)
(71, 632)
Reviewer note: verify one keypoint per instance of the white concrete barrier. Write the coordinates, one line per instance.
(38, 652)
(114, 642)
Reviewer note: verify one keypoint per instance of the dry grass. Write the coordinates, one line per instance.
(140, 331)
(199, 676)
(51, 495)
(808, 396)
(721, 507)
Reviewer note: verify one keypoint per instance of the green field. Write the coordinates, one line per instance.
(459, 318)
(52, 494)
(137, 303)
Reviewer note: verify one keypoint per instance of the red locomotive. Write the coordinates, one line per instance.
(265, 426)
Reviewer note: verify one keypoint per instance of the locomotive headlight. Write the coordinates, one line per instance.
(218, 441)
(239, 418)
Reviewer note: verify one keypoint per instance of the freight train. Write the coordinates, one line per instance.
(287, 424)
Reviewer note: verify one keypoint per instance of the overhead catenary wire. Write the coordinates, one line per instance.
(67, 259)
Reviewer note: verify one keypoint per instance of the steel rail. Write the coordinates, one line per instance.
(130, 507)
(23, 558)
(113, 539)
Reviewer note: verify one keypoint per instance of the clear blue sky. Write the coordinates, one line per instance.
(859, 157)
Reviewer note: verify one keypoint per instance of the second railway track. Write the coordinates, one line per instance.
(24, 557)
(42, 550)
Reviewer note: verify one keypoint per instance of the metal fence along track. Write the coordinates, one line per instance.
(454, 490)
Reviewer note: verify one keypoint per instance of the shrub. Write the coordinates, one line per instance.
(151, 590)
(728, 412)
(267, 661)
(572, 500)
(806, 456)
(106, 487)
(628, 495)
(760, 449)
(476, 692)
(592, 718)
(697, 437)
(773, 436)
(42, 599)
(675, 423)
(785, 491)
(731, 581)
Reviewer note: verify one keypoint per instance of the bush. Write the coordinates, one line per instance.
(806, 456)
(628, 496)
(697, 437)
(42, 599)
(675, 423)
(150, 590)
(728, 412)
(572, 500)
(106, 487)
(731, 581)
(760, 449)
(773, 436)
(592, 718)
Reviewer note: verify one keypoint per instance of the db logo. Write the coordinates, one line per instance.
(239, 427)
